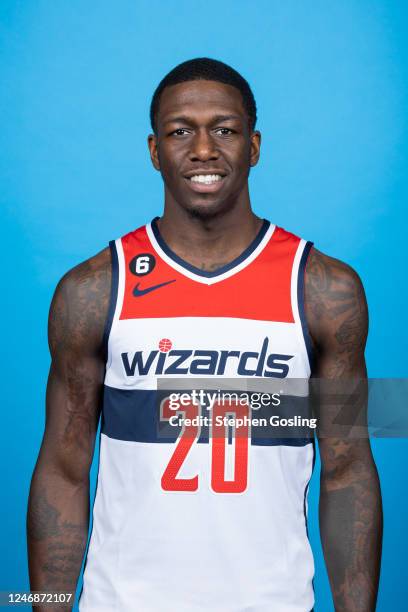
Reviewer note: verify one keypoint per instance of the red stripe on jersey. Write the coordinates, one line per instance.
(260, 291)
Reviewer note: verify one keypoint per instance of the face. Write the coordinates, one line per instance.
(204, 147)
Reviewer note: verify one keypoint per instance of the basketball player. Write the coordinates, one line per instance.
(207, 290)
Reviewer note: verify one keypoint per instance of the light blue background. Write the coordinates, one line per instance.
(330, 80)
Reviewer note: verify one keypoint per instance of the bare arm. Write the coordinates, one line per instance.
(58, 507)
(350, 499)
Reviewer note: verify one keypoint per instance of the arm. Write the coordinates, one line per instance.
(58, 506)
(350, 500)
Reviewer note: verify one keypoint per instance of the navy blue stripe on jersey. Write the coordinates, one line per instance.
(301, 302)
(235, 262)
(307, 486)
(113, 294)
(304, 501)
(133, 415)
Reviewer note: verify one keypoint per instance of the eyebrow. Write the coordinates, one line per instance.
(215, 119)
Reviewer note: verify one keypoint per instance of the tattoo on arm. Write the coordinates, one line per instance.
(63, 543)
(337, 314)
(58, 509)
(350, 498)
(351, 526)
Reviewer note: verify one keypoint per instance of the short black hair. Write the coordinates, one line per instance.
(205, 68)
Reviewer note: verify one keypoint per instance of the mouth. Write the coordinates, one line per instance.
(205, 183)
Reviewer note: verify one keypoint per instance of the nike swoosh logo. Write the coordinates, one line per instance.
(139, 292)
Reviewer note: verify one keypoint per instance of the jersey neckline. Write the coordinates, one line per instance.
(237, 264)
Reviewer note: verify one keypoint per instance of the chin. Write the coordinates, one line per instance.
(206, 210)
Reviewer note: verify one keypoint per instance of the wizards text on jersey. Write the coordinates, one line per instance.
(166, 360)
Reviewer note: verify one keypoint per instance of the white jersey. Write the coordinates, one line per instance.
(202, 514)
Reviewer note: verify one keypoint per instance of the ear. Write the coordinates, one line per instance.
(152, 144)
(255, 138)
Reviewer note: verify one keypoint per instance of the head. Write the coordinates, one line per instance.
(203, 116)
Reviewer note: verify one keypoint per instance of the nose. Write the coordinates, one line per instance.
(203, 147)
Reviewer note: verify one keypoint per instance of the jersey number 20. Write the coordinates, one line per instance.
(190, 434)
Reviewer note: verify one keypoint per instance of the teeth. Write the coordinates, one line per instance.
(207, 179)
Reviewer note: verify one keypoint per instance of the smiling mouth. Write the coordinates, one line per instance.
(205, 179)
(205, 183)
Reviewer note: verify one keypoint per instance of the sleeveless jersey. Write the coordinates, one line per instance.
(185, 520)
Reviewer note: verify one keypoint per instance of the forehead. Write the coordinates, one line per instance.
(199, 98)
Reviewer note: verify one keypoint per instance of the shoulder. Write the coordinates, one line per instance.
(323, 272)
(88, 275)
(335, 303)
(80, 304)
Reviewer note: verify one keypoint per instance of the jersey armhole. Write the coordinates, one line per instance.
(298, 297)
(301, 302)
(113, 299)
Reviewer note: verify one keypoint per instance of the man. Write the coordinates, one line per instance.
(208, 290)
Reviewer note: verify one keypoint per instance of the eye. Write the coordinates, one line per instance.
(226, 131)
(177, 132)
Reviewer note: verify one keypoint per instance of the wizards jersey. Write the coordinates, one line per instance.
(191, 515)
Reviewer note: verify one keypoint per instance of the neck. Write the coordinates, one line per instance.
(209, 243)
